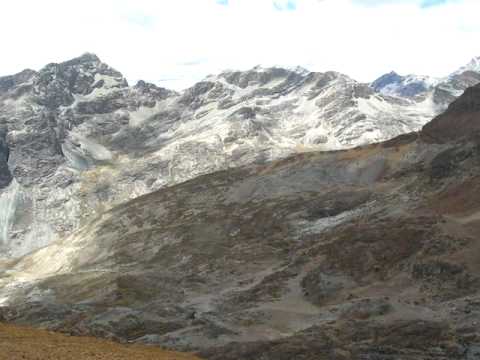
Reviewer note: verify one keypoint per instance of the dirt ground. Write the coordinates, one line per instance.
(20, 343)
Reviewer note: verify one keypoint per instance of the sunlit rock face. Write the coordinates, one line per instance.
(76, 139)
(8, 206)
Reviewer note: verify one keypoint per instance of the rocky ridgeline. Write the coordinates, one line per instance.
(76, 139)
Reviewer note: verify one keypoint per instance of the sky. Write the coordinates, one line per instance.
(175, 43)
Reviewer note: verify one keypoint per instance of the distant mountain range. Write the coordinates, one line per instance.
(444, 90)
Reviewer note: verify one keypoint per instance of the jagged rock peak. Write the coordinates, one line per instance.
(295, 69)
(10, 81)
(473, 65)
(393, 84)
(57, 83)
(258, 75)
(141, 84)
(386, 79)
(86, 63)
(82, 59)
(147, 88)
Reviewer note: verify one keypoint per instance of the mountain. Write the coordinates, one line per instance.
(365, 253)
(392, 84)
(76, 139)
(453, 86)
(473, 65)
(441, 91)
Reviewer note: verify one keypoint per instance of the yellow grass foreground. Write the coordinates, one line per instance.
(20, 343)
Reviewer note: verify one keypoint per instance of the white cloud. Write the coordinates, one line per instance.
(188, 39)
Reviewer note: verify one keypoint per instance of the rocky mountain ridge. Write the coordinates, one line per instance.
(76, 139)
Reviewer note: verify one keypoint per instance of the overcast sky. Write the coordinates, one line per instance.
(175, 43)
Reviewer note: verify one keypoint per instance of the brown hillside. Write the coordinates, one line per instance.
(27, 344)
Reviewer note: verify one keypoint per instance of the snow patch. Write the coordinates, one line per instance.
(8, 205)
(318, 226)
(473, 65)
(40, 236)
(91, 148)
(143, 113)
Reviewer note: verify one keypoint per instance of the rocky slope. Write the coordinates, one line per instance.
(463, 112)
(76, 139)
(367, 253)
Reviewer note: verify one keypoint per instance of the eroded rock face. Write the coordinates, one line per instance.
(55, 140)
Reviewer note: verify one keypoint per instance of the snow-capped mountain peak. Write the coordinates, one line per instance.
(473, 65)
(393, 84)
